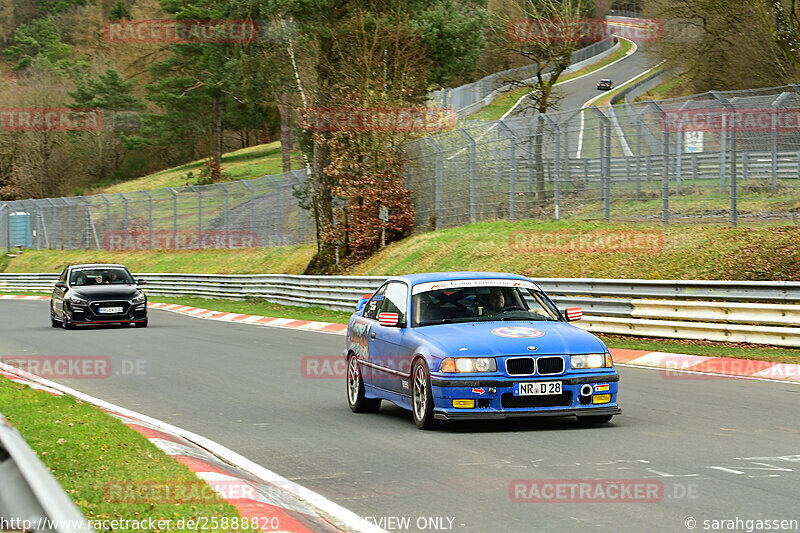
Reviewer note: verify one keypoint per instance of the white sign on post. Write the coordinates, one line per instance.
(693, 141)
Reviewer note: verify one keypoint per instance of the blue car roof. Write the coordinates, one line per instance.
(414, 279)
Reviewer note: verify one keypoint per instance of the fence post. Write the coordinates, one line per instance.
(108, 212)
(437, 191)
(69, 222)
(605, 160)
(512, 206)
(472, 174)
(275, 219)
(8, 226)
(174, 218)
(777, 102)
(732, 110)
(125, 223)
(252, 206)
(225, 216)
(557, 169)
(679, 149)
(723, 147)
(638, 159)
(199, 213)
(149, 218)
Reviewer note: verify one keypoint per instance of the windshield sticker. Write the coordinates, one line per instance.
(517, 332)
(460, 283)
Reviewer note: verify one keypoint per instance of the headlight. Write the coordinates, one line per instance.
(468, 364)
(78, 301)
(140, 298)
(590, 360)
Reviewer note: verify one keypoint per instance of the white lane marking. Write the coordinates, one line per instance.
(330, 508)
(728, 470)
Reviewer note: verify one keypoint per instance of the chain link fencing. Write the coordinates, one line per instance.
(716, 157)
(731, 157)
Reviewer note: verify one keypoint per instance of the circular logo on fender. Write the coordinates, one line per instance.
(517, 332)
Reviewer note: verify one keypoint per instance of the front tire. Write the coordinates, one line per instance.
(421, 396)
(65, 321)
(356, 398)
(53, 322)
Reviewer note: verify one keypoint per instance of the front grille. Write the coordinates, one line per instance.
(509, 401)
(550, 365)
(520, 366)
(95, 307)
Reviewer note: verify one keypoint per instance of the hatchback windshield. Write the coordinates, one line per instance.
(479, 304)
(100, 276)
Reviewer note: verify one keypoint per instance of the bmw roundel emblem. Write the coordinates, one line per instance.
(531, 348)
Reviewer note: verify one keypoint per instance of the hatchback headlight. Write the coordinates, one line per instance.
(590, 360)
(468, 364)
(78, 301)
(139, 298)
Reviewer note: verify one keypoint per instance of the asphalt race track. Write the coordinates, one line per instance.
(721, 448)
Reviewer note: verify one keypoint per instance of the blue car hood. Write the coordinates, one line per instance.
(509, 338)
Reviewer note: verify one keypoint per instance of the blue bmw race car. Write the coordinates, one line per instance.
(462, 345)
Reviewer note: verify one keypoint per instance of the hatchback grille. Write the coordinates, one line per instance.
(550, 365)
(520, 366)
(95, 307)
(509, 401)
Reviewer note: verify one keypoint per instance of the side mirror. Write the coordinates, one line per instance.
(573, 313)
(60, 285)
(389, 319)
(362, 301)
(141, 282)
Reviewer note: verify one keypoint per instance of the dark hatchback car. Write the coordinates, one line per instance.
(97, 294)
(605, 85)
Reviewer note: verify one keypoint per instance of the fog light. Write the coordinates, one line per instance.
(601, 398)
(464, 404)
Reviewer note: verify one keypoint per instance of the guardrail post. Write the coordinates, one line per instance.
(174, 217)
(149, 218)
(512, 205)
(472, 174)
(437, 191)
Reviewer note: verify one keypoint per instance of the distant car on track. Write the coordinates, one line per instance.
(463, 345)
(605, 85)
(97, 294)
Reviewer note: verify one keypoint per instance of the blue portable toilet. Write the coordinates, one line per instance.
(19, 229)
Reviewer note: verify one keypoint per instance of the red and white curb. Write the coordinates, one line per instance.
(675, 364)
(271, 499)
(308, 325)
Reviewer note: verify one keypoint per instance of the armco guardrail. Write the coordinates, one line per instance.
(766, 312)
(30, 498)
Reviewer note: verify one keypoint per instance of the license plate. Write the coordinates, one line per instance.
(537, 388)
(110, 310)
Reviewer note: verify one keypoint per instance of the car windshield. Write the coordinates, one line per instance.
(480, 304)
(100, 276)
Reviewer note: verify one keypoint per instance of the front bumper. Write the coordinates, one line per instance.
(82, 314)
(494, 397)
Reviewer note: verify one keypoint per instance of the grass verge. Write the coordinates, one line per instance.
(247, 163)
(504, 102)
(93, 455)
(277, 260)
